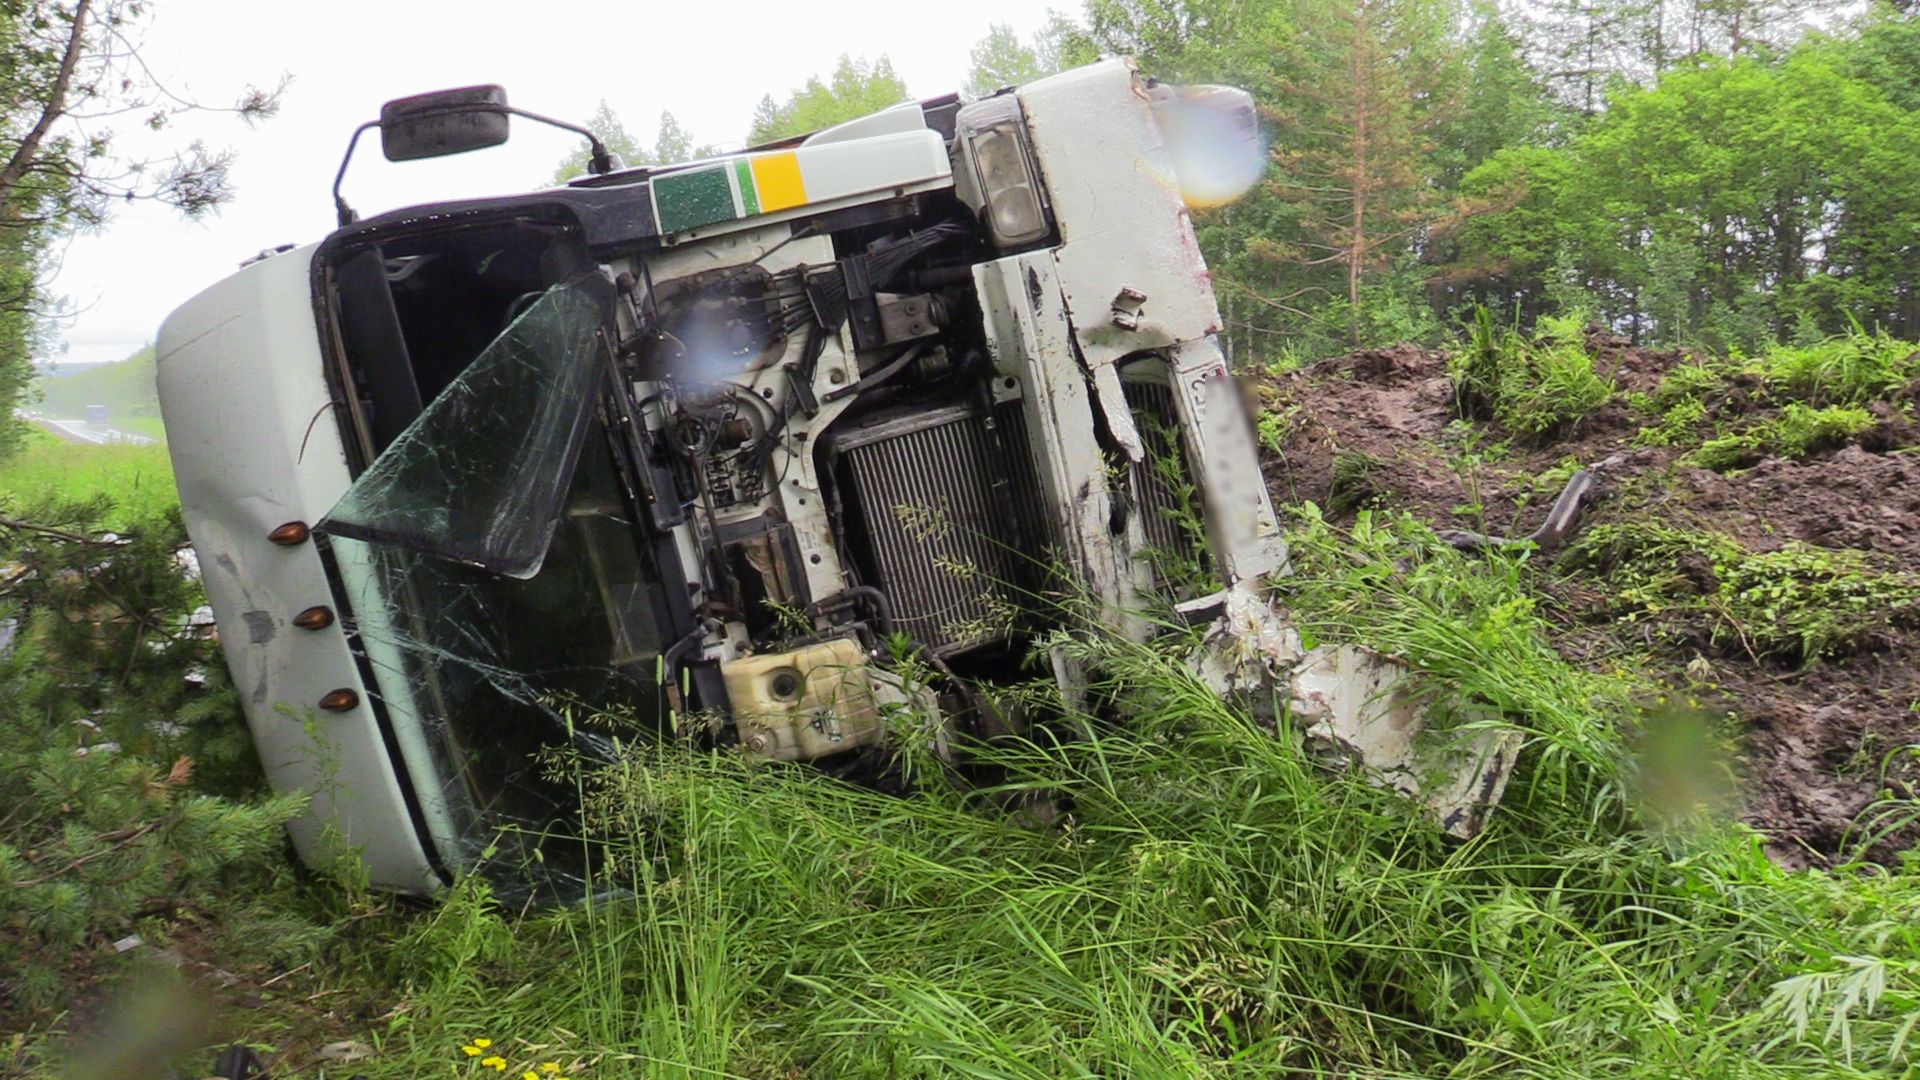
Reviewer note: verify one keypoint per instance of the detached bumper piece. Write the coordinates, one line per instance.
(1357, 708)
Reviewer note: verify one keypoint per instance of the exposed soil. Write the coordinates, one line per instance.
(1820, 739)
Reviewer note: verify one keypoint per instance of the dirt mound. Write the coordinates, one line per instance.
(1379, 428)
(1853, 498)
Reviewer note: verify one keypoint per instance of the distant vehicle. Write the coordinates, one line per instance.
(97, 415)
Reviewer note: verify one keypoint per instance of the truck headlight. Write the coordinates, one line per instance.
(1013, 210)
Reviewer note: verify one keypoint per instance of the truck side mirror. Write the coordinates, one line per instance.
(454, 122)
(443, 122)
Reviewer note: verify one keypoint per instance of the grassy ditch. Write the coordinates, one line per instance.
(137, 480)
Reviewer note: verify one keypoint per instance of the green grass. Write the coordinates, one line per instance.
(137, 479)
(1819, 390)
(150, 426)
(1847, 370)
(1796, 431)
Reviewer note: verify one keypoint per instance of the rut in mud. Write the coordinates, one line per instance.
(1825, 738)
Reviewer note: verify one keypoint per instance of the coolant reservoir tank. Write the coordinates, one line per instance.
(795, 706)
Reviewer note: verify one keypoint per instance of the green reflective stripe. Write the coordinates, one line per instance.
(749, 197)
(692, 198)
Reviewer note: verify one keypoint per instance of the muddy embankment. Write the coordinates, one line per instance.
(1822, 740)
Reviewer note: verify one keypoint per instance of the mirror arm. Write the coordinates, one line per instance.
(601, 162)
(345, 212)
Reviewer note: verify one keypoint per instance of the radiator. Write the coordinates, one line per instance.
(1159, 504)
(944, 514)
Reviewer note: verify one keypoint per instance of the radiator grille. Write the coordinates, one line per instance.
(1161, 506)
(945, 514)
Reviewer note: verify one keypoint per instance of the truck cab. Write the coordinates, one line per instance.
(782, 451)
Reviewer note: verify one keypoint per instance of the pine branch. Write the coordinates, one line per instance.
(119, 839)
(56, 104)
(107, 540)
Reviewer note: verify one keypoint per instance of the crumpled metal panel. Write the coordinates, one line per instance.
(1031, 341)
(1241, 523)
(1357, 707)
(1128, 241)
(1366, 708)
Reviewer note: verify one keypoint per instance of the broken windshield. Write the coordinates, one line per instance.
(501, 595)
(480, 475)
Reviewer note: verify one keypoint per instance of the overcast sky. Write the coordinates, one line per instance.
(708, 63)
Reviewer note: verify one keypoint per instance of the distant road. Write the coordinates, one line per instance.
(79, 431)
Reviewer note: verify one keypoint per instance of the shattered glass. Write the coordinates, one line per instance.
(505, 601)
(478, 477)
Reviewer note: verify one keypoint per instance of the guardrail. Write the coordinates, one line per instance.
(84, 432)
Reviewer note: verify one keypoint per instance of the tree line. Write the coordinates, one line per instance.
(1725, 172)
(1722, 172)
(1719, 172)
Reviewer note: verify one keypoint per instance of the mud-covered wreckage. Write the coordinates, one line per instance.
(715, 447)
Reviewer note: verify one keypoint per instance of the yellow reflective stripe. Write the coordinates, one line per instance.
(778, 178)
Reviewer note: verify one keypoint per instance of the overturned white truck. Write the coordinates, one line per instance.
(715, 446)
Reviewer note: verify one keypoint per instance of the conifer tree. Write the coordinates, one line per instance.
(855, 88)
(1363, 83)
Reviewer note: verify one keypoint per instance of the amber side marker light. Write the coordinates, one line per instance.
(291, 534)
(339, 700)
(318, 617)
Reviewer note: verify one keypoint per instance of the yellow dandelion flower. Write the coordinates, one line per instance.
(549, 1067)
(483, 1043)
(529, 1075)
(496, 1063)
(471, 1050)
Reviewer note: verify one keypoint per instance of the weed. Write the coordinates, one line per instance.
(1534, 386)
(1182, 563)
(1556, 476)
(1354, 484)
(1848, 370)
(1275, 427)
(1678, 424)
(1797, 430)
(1820, 388)
(1796, 603)
(1692, 381)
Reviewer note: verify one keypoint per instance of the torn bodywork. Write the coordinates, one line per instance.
(768, 450)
